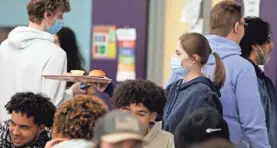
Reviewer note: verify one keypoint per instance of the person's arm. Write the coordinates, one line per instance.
(110, 88)
(55, 89)
(251, 112)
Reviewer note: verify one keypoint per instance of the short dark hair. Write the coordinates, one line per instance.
(76, 118)
(33, 105)
(224, 16)
(138, 91)
(194, 128)
(37, 8)
(256, 32)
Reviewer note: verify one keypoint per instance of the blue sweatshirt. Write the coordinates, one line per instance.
(184, 98)
(242, 107)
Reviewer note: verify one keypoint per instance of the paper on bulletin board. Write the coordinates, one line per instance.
(197, 27)
(252, 7)
(191, 11)
(126, 69)
(104, 42)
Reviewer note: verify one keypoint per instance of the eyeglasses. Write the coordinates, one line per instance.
(244, 24)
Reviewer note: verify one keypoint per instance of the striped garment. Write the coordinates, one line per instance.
(5, 139)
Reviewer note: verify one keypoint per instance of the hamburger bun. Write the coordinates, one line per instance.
(97, 73)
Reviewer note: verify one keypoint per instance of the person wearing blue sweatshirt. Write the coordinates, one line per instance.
(240, 97)
(194, 90)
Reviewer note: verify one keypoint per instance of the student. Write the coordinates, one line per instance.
(76, 118)
(145, 100)
(194, 90)
(118, 129)
(30, 114)
(246, 121)
(30, 52)
(202, 125)
(66, 39)
(256, 46)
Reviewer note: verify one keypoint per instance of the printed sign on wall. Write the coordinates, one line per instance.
(126, 68)
(104, 42)
(252, 7)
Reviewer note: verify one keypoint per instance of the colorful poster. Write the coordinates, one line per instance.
(104, 42)
(126, 68)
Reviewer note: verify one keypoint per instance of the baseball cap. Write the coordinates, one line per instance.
(117, 126)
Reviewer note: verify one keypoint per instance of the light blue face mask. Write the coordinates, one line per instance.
(56, 27)
(176, 65)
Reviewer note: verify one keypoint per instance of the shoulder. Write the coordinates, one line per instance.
(202, 88)
(4, 126)
(165, 134)
(48, 47)
(239, 63)
(174, 84)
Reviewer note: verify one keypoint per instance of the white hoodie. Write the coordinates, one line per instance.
(25, 56)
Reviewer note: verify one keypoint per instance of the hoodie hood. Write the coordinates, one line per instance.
(201, 79)
(22, 37)
(222, 46)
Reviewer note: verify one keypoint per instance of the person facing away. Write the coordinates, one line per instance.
(256, 46)
(31, 114)
(145, 100)
(240, 97)
(30, 52)
(66, 39)
(194, 90)
(76, 118)
(201, 125)
(118, 129)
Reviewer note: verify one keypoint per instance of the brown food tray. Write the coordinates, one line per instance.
(83, 79)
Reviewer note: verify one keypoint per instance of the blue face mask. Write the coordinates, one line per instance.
(56, 27)
(176, 65)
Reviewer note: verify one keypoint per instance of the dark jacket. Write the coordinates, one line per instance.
(269, 101)
(184, 98)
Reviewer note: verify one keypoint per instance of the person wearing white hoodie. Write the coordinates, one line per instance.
(30, 52)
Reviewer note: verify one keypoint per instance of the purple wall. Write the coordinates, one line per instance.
(123, 13)
(268, 13)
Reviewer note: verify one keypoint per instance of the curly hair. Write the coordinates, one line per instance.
(139, 91)
(37, 8)
(33, 105)
(75, 119)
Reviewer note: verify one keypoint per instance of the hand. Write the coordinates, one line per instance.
(53, 142)
(76, 89)
(99, 86)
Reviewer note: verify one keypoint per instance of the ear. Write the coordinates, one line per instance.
(255, 47)
(47, 14)
(153, 116)
(236, 27)
(196, 58)
(271, 45)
